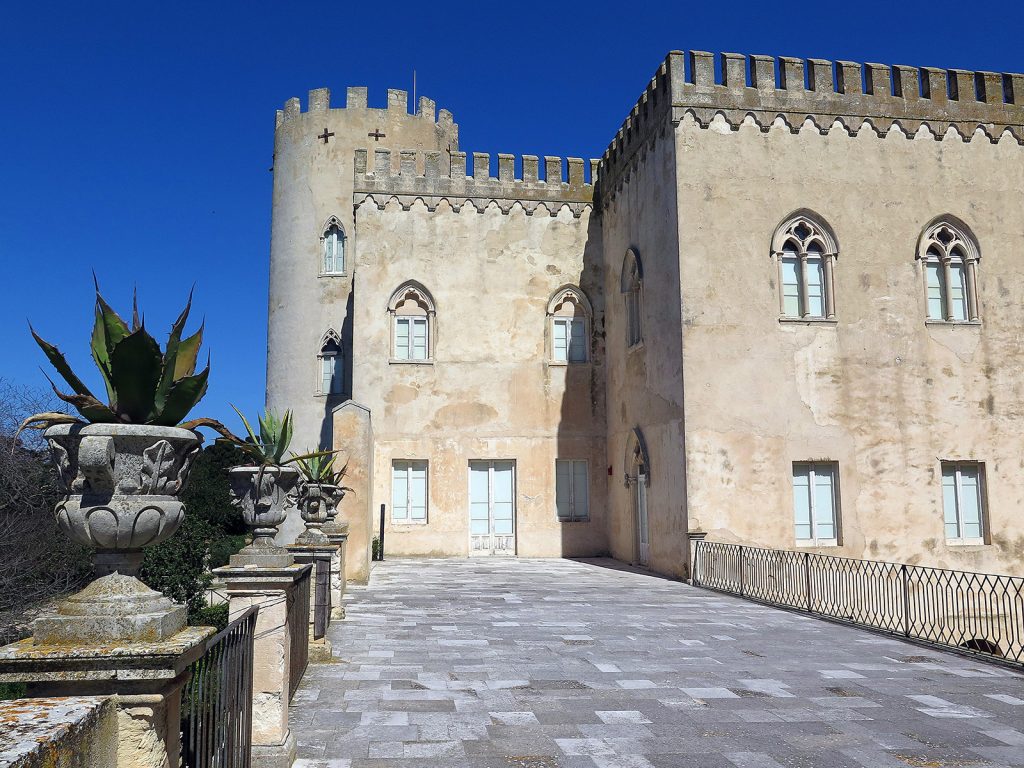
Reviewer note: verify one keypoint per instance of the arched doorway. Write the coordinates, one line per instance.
(638, 479)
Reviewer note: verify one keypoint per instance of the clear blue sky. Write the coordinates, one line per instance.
(136, 138)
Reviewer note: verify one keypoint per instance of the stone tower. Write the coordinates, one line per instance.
(313, 179)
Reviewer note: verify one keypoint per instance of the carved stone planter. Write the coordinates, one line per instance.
(264, 495)
(316, 503)
(335, 494)
(121, 484)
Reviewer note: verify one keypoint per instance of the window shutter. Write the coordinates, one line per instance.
(802, 501)
(339, 252)
(399, 491)
(815, 287)
(563, 489)
(791, 284)
(559, 342)
(949, 505)
(577, 342)
(419, 338)
(418, 490)
(580, 491)
(936, 310)
(970, 502)
(824, 502)
(402, 338)
(957, 290)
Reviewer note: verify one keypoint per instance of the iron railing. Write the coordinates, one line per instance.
(977, 612)
(298, 632)
(216, 704)
(322, 598)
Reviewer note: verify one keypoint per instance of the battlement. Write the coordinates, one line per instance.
(319, 100)
(766, 88)
(436, 176)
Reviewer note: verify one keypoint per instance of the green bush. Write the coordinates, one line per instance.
(212, 616)
(375, 549)
(10, 691)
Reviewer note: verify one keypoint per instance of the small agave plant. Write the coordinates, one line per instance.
(266, 490)
(319, 495)
(122, 463)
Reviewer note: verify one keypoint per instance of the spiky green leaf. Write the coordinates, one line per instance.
(135, 368)
(170, 356)
(245, 423)
(92, 409)
(101, 356)
(114, 328)
(56, 359)
(184, 395)
(188, 352)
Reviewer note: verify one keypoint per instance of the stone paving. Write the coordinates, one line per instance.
(587, 664)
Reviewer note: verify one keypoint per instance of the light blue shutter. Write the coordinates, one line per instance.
(479, 511)
(815, 286)
(936, 310)
(560, 343)
(419, 338)
(418, 490)
(503, 498)
(824, 502)
(970, 502)
(402, 338)
(949, 505)
(336, 372)
(326, 374)
(791, 284)
(580, 491)
(400, 490)
(563, 489)
(802, 501)
(339, 251)
(577, 342)
(957, 291)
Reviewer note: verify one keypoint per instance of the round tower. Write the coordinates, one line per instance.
(309, 338)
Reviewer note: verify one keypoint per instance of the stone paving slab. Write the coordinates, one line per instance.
(509, 663)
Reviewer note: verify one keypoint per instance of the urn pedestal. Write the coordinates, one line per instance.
(264, 495)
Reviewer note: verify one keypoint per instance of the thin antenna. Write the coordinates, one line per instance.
(415, 104)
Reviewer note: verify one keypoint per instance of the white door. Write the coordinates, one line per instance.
(492, 513)
(642, 532)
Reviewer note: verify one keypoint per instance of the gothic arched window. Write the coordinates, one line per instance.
(569, 316)
(806, 252)
(950, 256)
(333, 246)
(412, 319)
(330, 365)
(631, 285)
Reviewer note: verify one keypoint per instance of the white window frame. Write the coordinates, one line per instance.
(957, 467)
(570, 322)
(411, 321)
(337, 374)
(803, 240)
(333, 233)
(407, 466)
(574, 515)
(812, 472)
(331, 337)
(949, 249)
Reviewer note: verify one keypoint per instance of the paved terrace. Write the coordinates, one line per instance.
(566, 664)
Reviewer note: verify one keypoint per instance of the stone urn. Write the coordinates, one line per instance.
(121, 484)
(316, 503)
(335, 495)
(264, 495)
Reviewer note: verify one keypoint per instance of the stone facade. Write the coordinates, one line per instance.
(703, 418)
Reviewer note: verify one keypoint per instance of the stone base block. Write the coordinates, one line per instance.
(274, 755)
(265, 557)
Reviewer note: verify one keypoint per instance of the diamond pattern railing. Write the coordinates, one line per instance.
(978, 612)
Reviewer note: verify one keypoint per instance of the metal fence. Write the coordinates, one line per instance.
(298, 631)
(977, 612)
(322, 598)
(216, 705)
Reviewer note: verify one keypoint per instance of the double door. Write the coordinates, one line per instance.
(492, 507)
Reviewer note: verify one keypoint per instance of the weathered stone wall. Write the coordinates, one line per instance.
(880, 391)
(645, 383)
(312, 183)
(59, 732)
(489, 392)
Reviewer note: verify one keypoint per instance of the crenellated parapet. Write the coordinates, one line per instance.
(356, 98)
(433, 177)
(766, 89)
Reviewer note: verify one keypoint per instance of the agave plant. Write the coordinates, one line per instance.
(319, 468)
(144, 384)
(268, 448)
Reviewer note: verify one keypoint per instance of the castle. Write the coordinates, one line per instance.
(782, 309)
